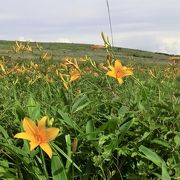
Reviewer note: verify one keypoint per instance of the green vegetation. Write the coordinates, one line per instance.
(60, 50)
(107, 131)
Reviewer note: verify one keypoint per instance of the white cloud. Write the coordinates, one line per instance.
(156, 41)
(140, 24)
(170, 45)
(21, 38)
(63, 40)
(7, 17)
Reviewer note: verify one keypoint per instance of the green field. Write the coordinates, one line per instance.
(108, 130)
(60, 50)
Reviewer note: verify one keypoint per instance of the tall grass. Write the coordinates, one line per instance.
(107, 130)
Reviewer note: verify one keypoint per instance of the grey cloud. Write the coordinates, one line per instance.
(135, 22)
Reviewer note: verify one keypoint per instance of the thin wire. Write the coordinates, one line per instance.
(110, 22)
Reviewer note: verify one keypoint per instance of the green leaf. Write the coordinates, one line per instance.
(5, 174)
(38, 172)
(161, 142)
(68, 144)
(33, 108)
(4, 163)
(124, 128)
(122, 111)
(5, 134)
(151, 155)
(177, 140)
(82, 107)
(19, 110)
(165, 174)
(15, 150)
(177, 170)
(90, 130)
(145, 135)
(57, 168)
(67, 120)
(110, 125)
(141, 107)
(156, 159)
(65, 155)
(80, 103)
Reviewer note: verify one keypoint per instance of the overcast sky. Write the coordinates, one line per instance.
(152, 25)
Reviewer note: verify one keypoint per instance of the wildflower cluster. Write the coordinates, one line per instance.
(98, 122)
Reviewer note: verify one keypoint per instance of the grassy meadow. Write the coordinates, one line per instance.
(71, 111)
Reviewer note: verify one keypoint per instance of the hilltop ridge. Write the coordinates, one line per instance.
(61, 50)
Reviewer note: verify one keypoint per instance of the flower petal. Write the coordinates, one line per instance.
(118, 64)
(111, 68)
(120, 81)
(127, 71)
(74, 75)
(66, 85)
(46, 148)
(111, 73)
(25, 135)
(33, 145)
(51, 133)
(42, 122)
(62, 78)
(29, 126)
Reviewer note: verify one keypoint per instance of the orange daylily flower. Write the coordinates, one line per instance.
(104, 68)
(65, 82)
(38, 135)
(119, 71)
(74, 74)
(174, 60)
(69, 61)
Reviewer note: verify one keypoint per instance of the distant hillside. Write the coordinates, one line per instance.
(60, 50)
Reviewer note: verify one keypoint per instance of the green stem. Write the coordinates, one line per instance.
(108, 83)
(73, 172)
(104, 176)
(110, 24)
(44, 164)
(20, 173)
(140, 85)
